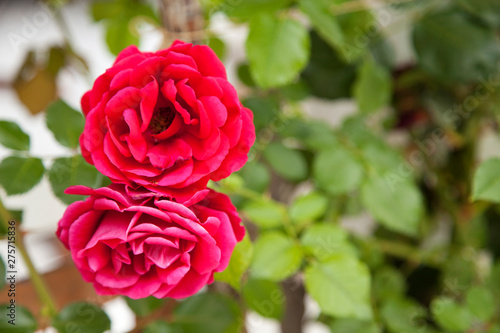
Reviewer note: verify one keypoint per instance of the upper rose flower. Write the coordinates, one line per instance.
(168, 121)
(149, 246)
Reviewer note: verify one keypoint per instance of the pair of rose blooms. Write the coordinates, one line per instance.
(160, 126)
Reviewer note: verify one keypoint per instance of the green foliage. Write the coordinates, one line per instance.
(268, 37)
(210, 313)
(451, 46)
(144, 306)
(240, 260)
(341, 286)
(88, 318)
(403, 315)
(308, 208)
(69, 171)
(451, 316)
(372, 88)
(24, 321)
(161, 326)
(65, 123)
(337, 171)
(13, 137)
(20, 174)
(486, 185)
(353, 325)
(266, 214)
(264, 297)
(2, 273)
(288, 163)
(326, 241)
(275, 257)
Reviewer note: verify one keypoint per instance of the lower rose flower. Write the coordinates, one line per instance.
(138, 244)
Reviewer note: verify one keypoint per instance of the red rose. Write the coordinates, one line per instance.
(149, 246)
(168, 121)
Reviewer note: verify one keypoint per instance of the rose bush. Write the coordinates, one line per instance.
(149, 245)
(168, 121)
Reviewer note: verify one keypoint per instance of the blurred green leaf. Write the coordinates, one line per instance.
(218, 46)
(308, 208)
(264, 297)
(275, 257)
(208, 313)
(396, 205)
(404, 315)
(486, 183)
(144, 306)
(324, 241)
(69, 171)
(373, 88)
(480, 303)
(86, 317)
(353, 326)
(265, 214)
(119, 36)
(161, 326)
(341, 286)
(25, 322)
(269, 37)
(256, 176)
(451, 46)
(450, 315)
(388, 283)
(337, 171)
(244, 75)
(323, 20)
(315, 135)
(13, 137)
(245, 10)
(488, 10)
(65, 123)
(2, 273)
(288, 163)
(20, 174)
(358, 31)
(240, 260)
(265, 110)
(326, 74)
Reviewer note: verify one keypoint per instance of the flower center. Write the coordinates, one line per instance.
(162, 119)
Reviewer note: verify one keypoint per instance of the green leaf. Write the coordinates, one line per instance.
(337, 171)
(341, 286)
(264, 297)
(486, 183)
(256, 176)
(480, 303)
(488, 10)
(20, 174)
(323, 20)
(119, 36)
(208, 313)
(373, 87)
(265, 110)
(161, 326)
(313, 134)
(404, 315)
(24, 320)
(398, 206)
(69, 171)
(244, 75)
(65, 123)
(244, 10)
(265, 214)
(308, 208)
(353, 326)
(275, 257)
(388, 283)
(358, 31)
(269, 37)
(13, 137)
(326, 74)
(144, 306)
(288, 163)
(218, 46)
(324, 241)
(450, 315)
(86, 317)
(451, 46)
(240, 260)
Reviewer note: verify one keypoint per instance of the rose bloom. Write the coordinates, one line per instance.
(143, 245)
(168, 121)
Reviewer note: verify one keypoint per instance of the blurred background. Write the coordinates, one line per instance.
(377, 117)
